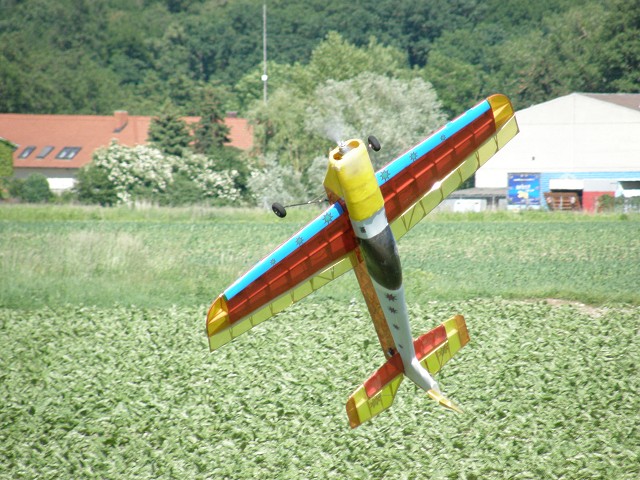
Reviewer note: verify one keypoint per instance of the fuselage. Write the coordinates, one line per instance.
(351, 176)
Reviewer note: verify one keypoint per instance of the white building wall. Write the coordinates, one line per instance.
(60, 179)
(574, 133)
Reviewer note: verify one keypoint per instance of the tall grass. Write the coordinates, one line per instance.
(158, 257)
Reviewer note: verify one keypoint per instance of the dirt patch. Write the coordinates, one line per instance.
(581, 307)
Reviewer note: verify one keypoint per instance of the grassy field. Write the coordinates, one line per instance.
(160, 257)
(105, 372)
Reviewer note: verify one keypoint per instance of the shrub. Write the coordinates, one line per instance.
(14, 187)
(93, 186)
(34, 189)
(182, 191)
(145, 173)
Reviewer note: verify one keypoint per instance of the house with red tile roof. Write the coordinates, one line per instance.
(58, 145)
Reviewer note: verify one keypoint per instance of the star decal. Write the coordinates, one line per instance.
(327, 218)
(414, 156)
(393, 310)
(363, 230)
(385, 175)
(299, 241)
(396, 326)
(391, 297)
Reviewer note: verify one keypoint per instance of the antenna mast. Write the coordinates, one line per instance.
(264, 51)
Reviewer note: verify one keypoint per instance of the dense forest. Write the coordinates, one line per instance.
(394, 68)
(84, 56)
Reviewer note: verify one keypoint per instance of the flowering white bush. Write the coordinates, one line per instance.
(143, 168)
(275, 183)
(211, 182)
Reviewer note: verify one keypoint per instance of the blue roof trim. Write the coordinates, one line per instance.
(283, 251)
(399, 164)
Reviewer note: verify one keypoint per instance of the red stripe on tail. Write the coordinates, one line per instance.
(423, 345)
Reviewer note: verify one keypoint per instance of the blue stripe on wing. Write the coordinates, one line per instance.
(284, 250)
(450, 129)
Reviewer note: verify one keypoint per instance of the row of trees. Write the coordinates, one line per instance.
(81, 56)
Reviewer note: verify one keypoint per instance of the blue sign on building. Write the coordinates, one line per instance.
(524, 190)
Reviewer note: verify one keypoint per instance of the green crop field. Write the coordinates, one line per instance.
(105, 370)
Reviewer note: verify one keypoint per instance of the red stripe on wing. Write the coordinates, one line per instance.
(405, 188)
(328, 245)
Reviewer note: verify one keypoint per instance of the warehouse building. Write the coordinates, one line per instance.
(570, 152)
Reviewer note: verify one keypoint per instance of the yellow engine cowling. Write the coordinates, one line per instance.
(350, 175)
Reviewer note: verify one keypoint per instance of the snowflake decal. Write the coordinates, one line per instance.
(385, 175)
(299, 241)
(273, 262)
(327, 218)
(443, 137)
(414, 156)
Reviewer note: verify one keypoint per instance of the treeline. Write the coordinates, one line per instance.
(84, 56)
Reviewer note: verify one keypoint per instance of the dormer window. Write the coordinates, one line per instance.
(68, 153)
(45, 151)
(26, 152)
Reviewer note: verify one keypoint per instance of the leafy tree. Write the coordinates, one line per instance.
(281, 127)
(249, 88)
(33, 189)
(337, 59)
(6, 158)
(94, 186)
(620, 40)
(458, 67)
(144, 172)
(210, 132)
(169, 132)
(399, 113)
(14, 187)
(563, 59)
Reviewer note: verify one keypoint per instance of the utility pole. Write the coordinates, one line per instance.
(265, 77)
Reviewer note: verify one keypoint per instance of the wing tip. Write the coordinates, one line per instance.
(217, 316)
(502, 109)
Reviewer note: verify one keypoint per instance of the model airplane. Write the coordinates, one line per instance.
(369, 211)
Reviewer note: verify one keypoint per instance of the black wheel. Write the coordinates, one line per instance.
(279, 210)
(374, 143)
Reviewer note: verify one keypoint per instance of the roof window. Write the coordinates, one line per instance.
(45, 151)
(26, 152)
(67, 153)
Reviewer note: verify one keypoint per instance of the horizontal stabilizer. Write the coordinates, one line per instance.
(433, 350)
